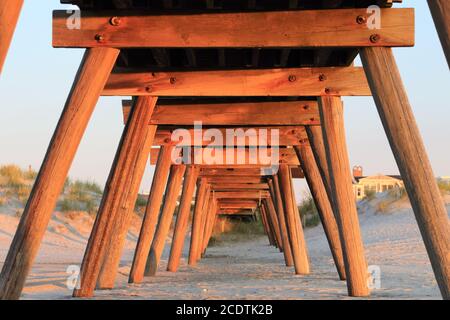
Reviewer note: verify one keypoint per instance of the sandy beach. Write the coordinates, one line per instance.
(249, 269)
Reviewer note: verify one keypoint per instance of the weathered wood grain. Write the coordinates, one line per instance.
(150, 219)
(304, 28)
(412, 160)
(179, 233)
(118, 200)
(89, 81)
(9, 15)
(295, 82)
(323, 205)
(165, 219)
(332, 115)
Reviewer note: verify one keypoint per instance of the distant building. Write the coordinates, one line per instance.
(362, 185)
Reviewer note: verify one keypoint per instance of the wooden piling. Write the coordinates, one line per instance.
(120, 194)
(204, 215)
(151, 215)
(274, 186)
(9, 15)
(179, 233)
(332, 119)
(266, 226)
(323, 205)
(197, 220)
(89, 82)
(162, 230)
(412, 160)
(298, 244)
(270, 209)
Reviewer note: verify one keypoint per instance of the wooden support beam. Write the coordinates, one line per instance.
(123, 204)
(246, 137)
(9, 15)
(89, 81)
(221, 171)
(276, 196)
(303, 28)
(294, 82)
(239, 186)
(266, 225)
(295, 113)
(209, 223)
(162, 230)
(323, 205)
(440, 10)
(297, 241)
(297, 217)
(235, 161)
(150, 219)
(242, 195)
(332, 115)
(179, 233)
(316, 142)
(231, 179)
(197, 220)
(205, 213)
(118, 201)
(412, 160)
(272, 215)
(237, 204)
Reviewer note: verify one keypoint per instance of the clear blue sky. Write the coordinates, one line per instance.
(37, 78)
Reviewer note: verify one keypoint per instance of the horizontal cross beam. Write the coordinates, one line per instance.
(286, 29)
(297, 82)
(253, 136)
(242, 194)
(230, 157)
(292, 113)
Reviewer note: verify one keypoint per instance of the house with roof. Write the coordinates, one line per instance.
(362, 185)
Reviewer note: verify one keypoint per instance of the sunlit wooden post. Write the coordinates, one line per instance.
(179, 233)
(89, 82)
(123, 205)
(205, 213)
(210, 223)
(412, 160)
(332, 119)
(323, 205)
(266, 226)
(275, 189)
(151, 215)
(197, 220)
(298, 244)
(170, 202)
(270, 209)
(9, 15)
(120, 192)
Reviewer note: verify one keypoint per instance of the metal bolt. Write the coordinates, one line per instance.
(99, 37)
(305, 107)
(327, 90)
(115, 21)
(374, 38)
(322, 77)
(167, 140)
(292, 78)
(148, 88)
(361, 19)
(173, 80)
(312, 119)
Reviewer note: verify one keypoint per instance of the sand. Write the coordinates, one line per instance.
(240, 270)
